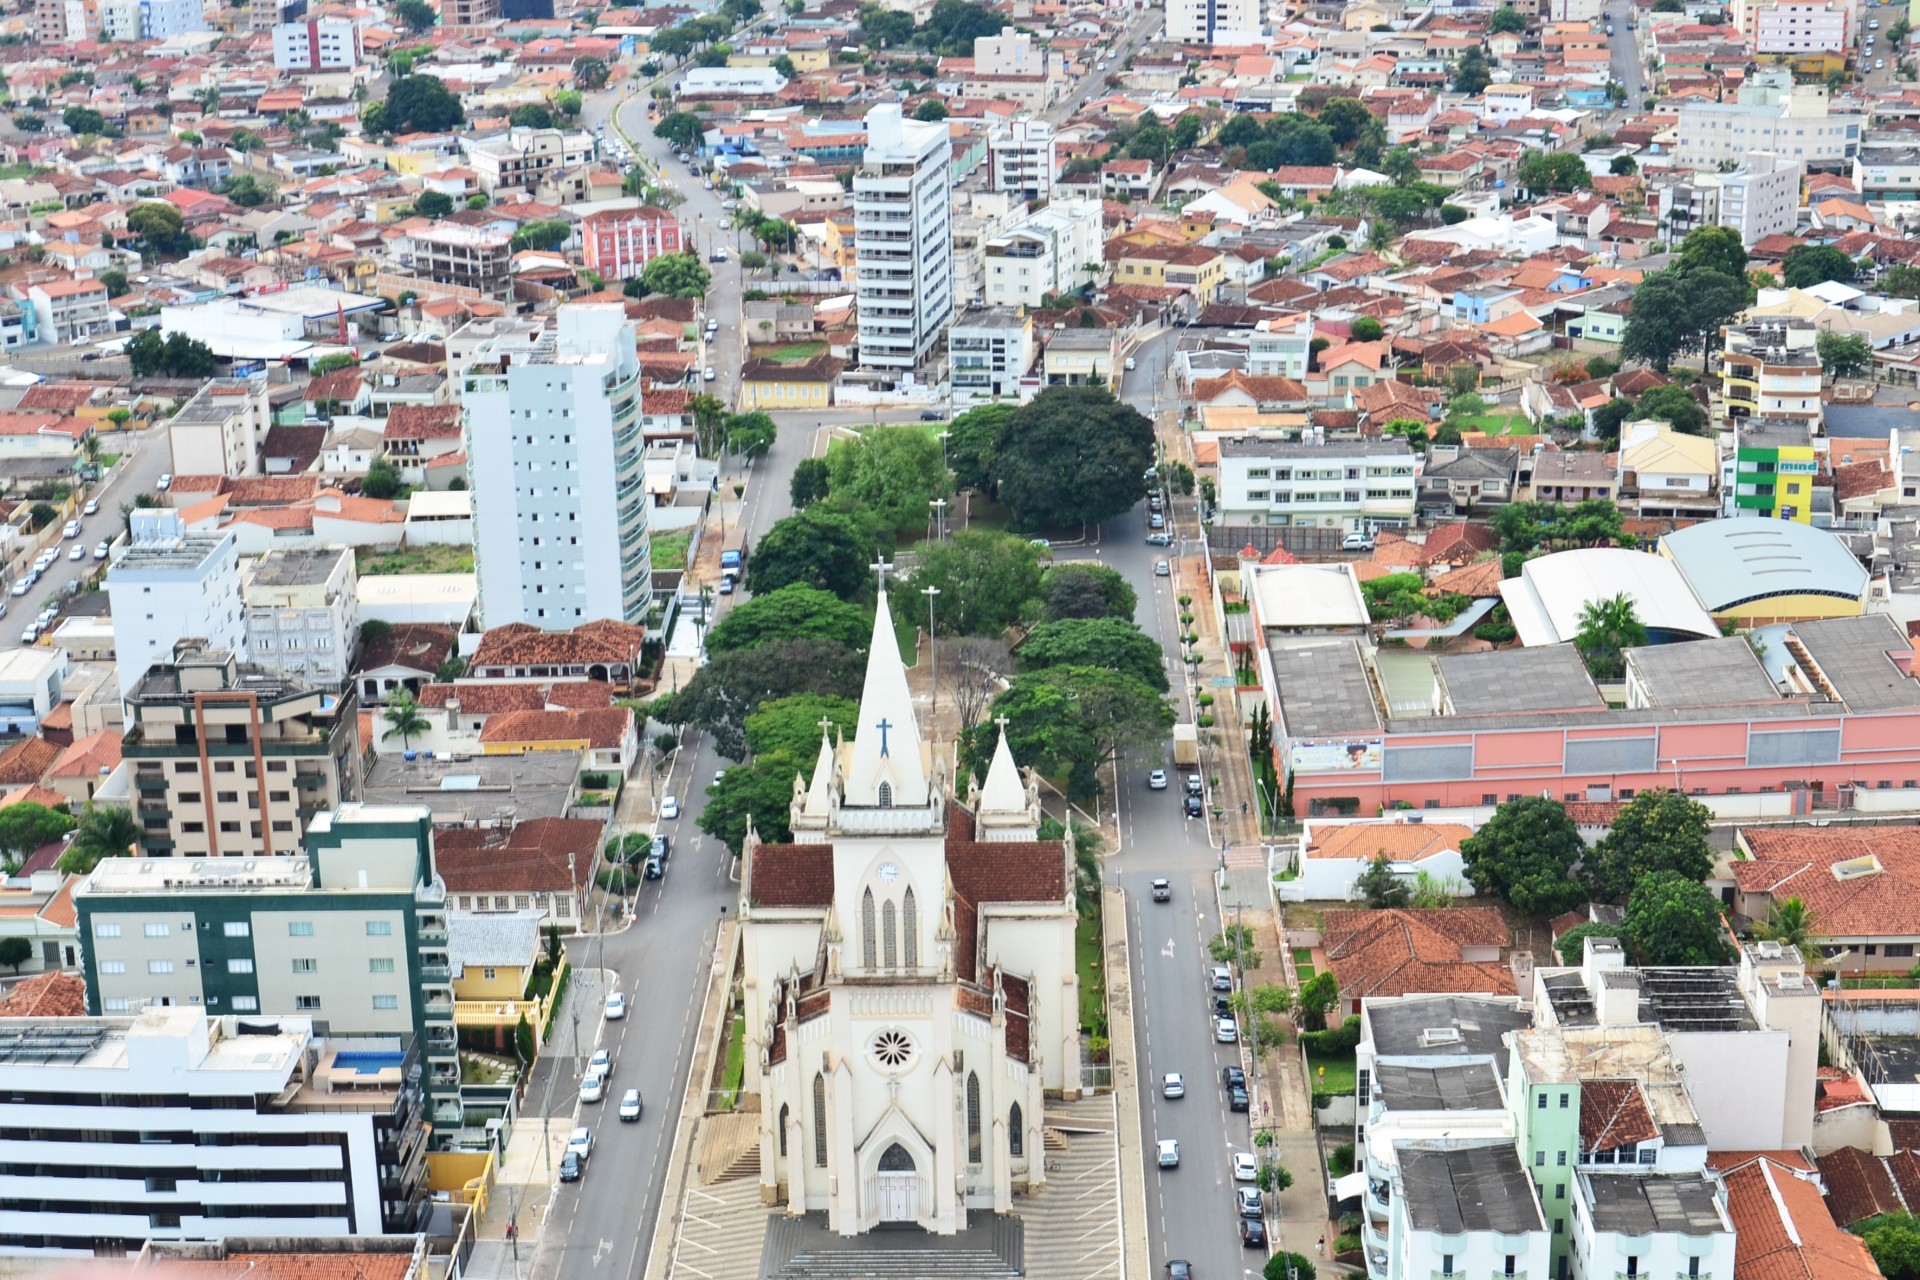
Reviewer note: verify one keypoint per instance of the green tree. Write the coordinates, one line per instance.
(1318, 996)
(433, 204)
(524, 1045)
(793, 612)
(1809, 264)
(590, 73)
(893, 472)
(973, 441)
(1379, 887)
(415, 15)
(403, 718)
(732, 685)
(109, 831)
(531, 115)
(156, 222)
(1608, 628)
(819, 547)
(1675, 405)
(1553, 171)
(420, 104)
(1671, 920)
(1901, 282)
(1188, 130)
(15, 951)
(1659, 830)
(1844, 355)
(1790, 924)
(790, 727)
(986, 580)
(751, 434)
(115, 282)
(931, 109)
(1090, 642)
(1894, 1241)
(83, 120)
(247, 191)
(381, 481)
(1572, 945)
(885, 28)
(1073, 456)
(1525, 854)
(1660, 325)
(1366, 329)
(1072, 720)
(1507, 19)
(25, 827)
(1345, 118)
(27, 122)
(678, 275)
(1715, 249)
(761, 792)
(1082, 589)
(568, 102)
(681, 128)
(784, 65)
(1611, 416)
(1623, 167)
(709, 424)
(546, 233)
(1471, 74)
(809, 484)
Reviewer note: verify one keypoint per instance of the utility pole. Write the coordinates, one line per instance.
(933, 653)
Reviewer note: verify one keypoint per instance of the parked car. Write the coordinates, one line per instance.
(630, 1106)
(1253, 1233)
(655, 867)
(1174, 1085)
(79, 552)
(1226, 1031)
(1160, 540)
(593, 1087)
(601, 1063)
(1231, 1076)
(1245, 1167)
(670, 807)
(1161, 569)
(19, 588)
(101, 550)
(1169, 1153)
(1236, 1098)
(1357, 542)
(165, 482)
(1156, 521)
(709, 374)
(1220, 978)
(92, 508)
(581, 1142)
(1249, 1202)
(1162, 891)
(616, 1008)
(1157, 780)
(571, 1167)
(1193, 785)
(1193, 806)
(1179, 1269)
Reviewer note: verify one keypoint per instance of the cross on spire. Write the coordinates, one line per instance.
(882, 568)
(1003, 722)
(883, 726)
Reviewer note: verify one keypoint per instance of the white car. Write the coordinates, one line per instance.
(1245, 1167)
(164, 483)
(593, 1088)
(580, 1142)
(670, 807)
(20, 586)
(1226, 1031)
(616, 1006)
(72, 529)
(709, 374)
(1169, 1153)
(630, 1105)
(1157, 780)
(1879, 64)
(79, 552)
(92, 508)
(1173, 1086)
(601, 1063)
(1132, 364)
(100, 551)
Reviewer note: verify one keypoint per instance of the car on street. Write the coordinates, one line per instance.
(571, 1167)
(709, 374)
(1169, 1153)
(580, 1141)
(601, 1063)
(593, 1088)
(78, 553)
(1357, 542)
(1253, 1233)
(20, 586)
(1173, 1086)
(1160, 540)
(630, 1106)
(1193, 806)
(31, 635)
(1220, 978)
(1226, 1031)
(1222, 1005)
(71, 529)
(655, 867)
(616, 1008)
(1162, 891)
(1236, 1098)
(165, 482)
(1245, 1167)
(100, 551)
(1249, 1201)
(1879, 64)
(1193, 785)
(1161, 569)
(930, 415)
(1179, 1269)
(92, 508)
(1231, 1076)
(1132, 364)
(662, 847)
(1157, 780)
(1156, 521)
(670, 807)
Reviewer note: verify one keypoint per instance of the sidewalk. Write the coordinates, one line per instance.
(1126, 1084)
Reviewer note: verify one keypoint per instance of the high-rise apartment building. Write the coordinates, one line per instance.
(265, 15)
(1213, 21)
(303, 612)
(167, 585)
(317, 44)
(555, 447)
(1026, 158)
(903, 239)
(230, 759)
(1772, 114)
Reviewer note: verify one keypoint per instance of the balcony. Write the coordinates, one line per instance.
(150, 781)
(436, 973)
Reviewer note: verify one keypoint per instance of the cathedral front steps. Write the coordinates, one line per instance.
(993, 1248)
(729, 1146)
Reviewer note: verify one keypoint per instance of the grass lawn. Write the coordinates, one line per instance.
(795, 353)
(907, 634)
(106, 460)
(430, 559)
(1087, 958)
(1303, 963)
(13, 171)
(1499, 424)
(1340, 1075)
(670, 550)
(1879, 982)
(736, 1065)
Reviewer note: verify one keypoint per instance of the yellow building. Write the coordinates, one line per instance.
(771, 386)
(494, 956)
(1198, 270)
(836, 243)
(1756, 573)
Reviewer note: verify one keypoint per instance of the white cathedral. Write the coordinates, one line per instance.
(908, 976)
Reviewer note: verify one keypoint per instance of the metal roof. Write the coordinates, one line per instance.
(1734, 561)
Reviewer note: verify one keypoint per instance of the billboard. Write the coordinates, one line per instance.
(1350, 755)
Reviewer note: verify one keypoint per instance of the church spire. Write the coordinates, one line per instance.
(1003, 792)
(886, 745)
(820, 794)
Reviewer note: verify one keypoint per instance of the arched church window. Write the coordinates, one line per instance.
(911, 929)
(867, 938)
(783, 1130)
(819, 1121)
(886, 795)
(1016, 1132)
(973, 1117)
(889, 941)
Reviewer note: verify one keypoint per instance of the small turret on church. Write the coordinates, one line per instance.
(1007, 808)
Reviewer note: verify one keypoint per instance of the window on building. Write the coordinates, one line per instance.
(819, 1121)
(237, 929)
(973, 1117)
(159, 966)
(239, 966)
(781, 1124)
(300, 928)
(113, 966)
(159, 930)
(306, 1002)
(379, 928)
(910, 930)
(1446, 1264)
(869, 943)
(889, 940)
(105, 930)
(380, 964)
(386, 1002)
(306, 965)
(1563, 1100)
(1543, 1102)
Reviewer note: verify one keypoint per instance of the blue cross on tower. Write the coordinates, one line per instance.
(883, 726)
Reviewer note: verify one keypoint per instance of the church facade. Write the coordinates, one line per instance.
(908, 978)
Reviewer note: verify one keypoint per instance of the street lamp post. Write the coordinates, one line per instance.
(933, 653)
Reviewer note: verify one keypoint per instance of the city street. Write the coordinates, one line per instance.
(1625, 52)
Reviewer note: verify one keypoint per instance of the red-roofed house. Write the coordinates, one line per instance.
(1409, 951)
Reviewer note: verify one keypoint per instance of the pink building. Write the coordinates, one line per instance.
(1825, 709)
(619, 243)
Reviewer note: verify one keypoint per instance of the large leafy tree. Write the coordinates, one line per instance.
(25, 827)
(794, 612)
(751, 434)
(1507, 19)
(891, 472)
(1096, 642)
(1072, 456)
(973, 439)
(1659, 830)
(811, 482)
(175, 356)
(1525, 854)
(818, 547)
(1072, 720)
(1082, 589)
(761, 792)
(681, 128)
(1671, 920)
(109, 831)
(1715, 249)
(1608, 628)
(986, 580)
(1471, 73)
(1379, 887)
(1674, 405)
(678, 275)
(420, 104)
(1844, 355)
(1675, 312)
(415, 15)
(1809, 264)
(791, 726)
(1553, 171)
(1345, 118)
(733, 685)
(156, 222)
(1894, 1241)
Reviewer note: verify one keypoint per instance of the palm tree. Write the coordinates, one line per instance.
(403, 717)
(1790, 924)
(1607, 627)
(109, 832)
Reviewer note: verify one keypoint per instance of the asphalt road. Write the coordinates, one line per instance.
(143, 457)
(1625, 52)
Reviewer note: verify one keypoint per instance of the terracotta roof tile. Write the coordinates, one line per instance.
(519, 644)
(1798, 862)
(1613, 1114)
(1859, 1186)
(27, 761)
(1014, 871)
(89, 757)
(1400, 952)
(484, 698)
(1782, 1230)
(296, 1266)
(1400, 841)
(46, 995)
(423, 422)
(532, 858)
(791, 875)
(419, 646)
(603, 729)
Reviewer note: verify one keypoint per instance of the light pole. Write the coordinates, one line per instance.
(939, 506)
(933, 653)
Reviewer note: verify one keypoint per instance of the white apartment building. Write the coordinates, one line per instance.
(521, 159)
(1887, 172)
(167, 584)
(318, 44)
(303, 612)
(1762, 197)
(1025, 156)
(1772, 114)
(1354, 485)
(220, 430)
(555, 448)
(1794, 27)
(1011, 53)
(1214, 21)
(1045, 252)
(989, 351)
(148, 19)
(903, 239)
(1279, 348)
(172, 1125)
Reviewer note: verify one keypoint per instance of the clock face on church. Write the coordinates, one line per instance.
(888, 873)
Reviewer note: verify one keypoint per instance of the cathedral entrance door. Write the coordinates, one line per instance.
(897, 1186)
